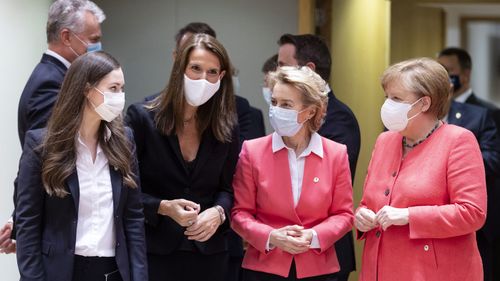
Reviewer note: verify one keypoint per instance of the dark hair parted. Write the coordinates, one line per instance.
(462, 55)
(271, 64)
(218, 113)
(59, 146)
(310, 48)
(193, 27)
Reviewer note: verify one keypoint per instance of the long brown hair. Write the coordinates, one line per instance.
(218, 113)
(59, 147)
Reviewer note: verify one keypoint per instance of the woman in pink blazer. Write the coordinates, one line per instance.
(425, 193)
(293, 195)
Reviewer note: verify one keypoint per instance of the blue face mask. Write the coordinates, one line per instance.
(91, 47)
(455, 80)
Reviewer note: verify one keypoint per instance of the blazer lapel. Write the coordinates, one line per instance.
(116, 185)
(74, 188)
(312, 169)
(281, 158)
(207, 146)
(455, 115)
(173, 141)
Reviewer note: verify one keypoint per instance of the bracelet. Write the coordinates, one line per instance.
(222, 215)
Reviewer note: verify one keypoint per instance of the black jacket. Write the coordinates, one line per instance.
(165, 176)
(46, 225)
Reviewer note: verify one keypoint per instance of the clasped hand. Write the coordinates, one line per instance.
(293, 239)
(366, 220)
(199, 226)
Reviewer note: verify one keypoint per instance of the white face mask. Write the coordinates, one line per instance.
(284, 121)
(112, 106)
(266, 93)
(198, 92)
(395, 114)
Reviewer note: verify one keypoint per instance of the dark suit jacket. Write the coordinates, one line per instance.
(165, 176)
(492, 226)
(46, 225)
(257, 129)
(38, 98)
(39, 95)
(341, 126)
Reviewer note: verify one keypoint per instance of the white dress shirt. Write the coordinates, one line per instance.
(464, 96)
(296, 165)
(58, 57)
(95, 232)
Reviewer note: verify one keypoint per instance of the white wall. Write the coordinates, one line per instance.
(22, 25)
(141, 35)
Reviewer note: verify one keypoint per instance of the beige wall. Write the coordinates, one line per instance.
(360, 50)
(416, 31)
(22, 25)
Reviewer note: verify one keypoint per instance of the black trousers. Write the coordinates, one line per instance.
(187, 266)
(250, 275)
(95, 269)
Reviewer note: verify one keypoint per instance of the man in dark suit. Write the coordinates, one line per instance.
(340, 123)
(458, 63)
(68, 36)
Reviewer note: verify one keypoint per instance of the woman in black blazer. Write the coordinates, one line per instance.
(187, 148)
(79, 214)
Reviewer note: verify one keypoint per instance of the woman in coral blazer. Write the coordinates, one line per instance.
(425, 193)
(291, 209)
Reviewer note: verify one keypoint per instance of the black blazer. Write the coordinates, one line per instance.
(165, 176)
(341, 126)
(39, 95)
(36, 102)
(257, 129)
(46, 225)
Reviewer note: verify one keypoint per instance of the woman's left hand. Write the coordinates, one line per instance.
(388, 216)
(205, 226)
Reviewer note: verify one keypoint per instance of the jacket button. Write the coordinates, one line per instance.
(386, 192)
(426, 248)
(378, 233)
(394, 174)
(117, 244)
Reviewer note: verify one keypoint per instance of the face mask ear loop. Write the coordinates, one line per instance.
(412, 106)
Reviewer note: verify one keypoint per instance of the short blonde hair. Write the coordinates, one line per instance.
(425, 77)
(310, 84)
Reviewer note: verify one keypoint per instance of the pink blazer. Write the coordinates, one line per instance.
(264, 201)
(442, 183)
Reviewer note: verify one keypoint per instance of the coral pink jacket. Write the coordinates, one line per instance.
(264, 201)
(442, 183)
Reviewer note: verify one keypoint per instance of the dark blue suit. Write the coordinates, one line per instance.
(46, 225)
(38, 98)
(491, 262)
(39, 95)
(341, 126)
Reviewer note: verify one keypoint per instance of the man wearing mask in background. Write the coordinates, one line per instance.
(458, 63)
(340, 123)
(73, 28)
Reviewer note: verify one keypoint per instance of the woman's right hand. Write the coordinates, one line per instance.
(284, 239)
(182, 211)
(364, 220)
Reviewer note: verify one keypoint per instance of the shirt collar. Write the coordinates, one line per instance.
(328, 89)
(464, 96)
(107, 136)
(315, 145)
(59, 57)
